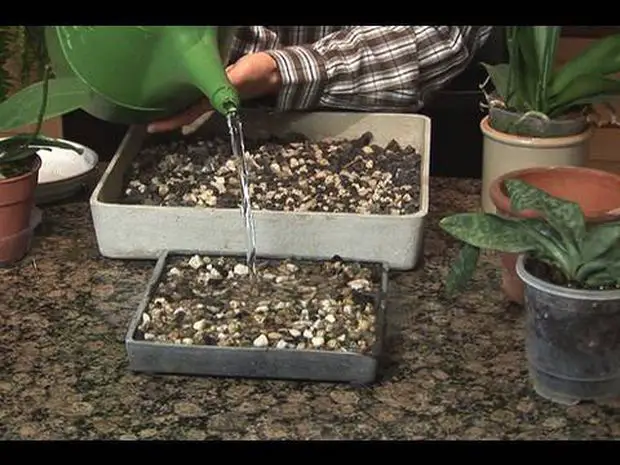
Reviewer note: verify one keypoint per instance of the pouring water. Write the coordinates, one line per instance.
(235, 129)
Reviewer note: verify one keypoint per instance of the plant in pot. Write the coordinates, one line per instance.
(571, 272)
(596, 192)
(19, 168)
(539, 114)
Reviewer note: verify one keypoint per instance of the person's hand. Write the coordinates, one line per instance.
(253, 75)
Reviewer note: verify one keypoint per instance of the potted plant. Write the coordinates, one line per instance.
(540, 115)
(19, 168)
(571, 272)
(596, 192)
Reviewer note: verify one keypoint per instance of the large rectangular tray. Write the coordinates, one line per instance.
(144, 232)
(253, 362)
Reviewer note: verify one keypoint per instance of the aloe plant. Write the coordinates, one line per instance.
(585, 257)
(529, 84)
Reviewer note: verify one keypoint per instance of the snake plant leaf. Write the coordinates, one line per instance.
(545, 42)
(564, 216)
(602, 58)
(22, 108)
(499, 77)
(487, 231)
(584, 90)
(462, 269)
(526, 53)
(599, 240)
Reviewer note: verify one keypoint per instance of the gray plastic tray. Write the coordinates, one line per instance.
(253, 362)
(144, 232)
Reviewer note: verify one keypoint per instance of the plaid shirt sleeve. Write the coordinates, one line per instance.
(370, 68)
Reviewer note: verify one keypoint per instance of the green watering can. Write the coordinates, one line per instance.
(137, 74)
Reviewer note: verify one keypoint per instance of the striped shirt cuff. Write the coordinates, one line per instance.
(303, 77)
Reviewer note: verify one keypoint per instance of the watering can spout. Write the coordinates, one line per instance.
(200, 56)
(137, 74)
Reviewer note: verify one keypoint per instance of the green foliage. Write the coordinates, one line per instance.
(528, 83)
(586, 257)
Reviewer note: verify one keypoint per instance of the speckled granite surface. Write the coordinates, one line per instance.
(457, 368)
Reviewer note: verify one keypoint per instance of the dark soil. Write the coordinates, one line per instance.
(16, 168)
(288, 174)
(329, 305)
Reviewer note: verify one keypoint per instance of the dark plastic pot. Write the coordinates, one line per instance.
(510, 122)
(572, 340)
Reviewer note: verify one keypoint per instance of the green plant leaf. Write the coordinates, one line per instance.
(584, 90)
(487, 231)
(64, 95)
(602, 58)
(565, 217)
(545, 42)
(462, 269)
(499, 78)
(599, 240)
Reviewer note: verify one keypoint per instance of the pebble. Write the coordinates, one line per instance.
(261, 341)
(195, 262)
(241, 269)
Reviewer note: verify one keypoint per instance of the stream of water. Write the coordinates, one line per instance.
(235, 129)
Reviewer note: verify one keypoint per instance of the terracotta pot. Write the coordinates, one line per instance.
(504, 153)
(16, 204)
(596, 192)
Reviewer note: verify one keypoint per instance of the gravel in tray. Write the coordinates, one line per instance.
(328, 305)
(289, 174)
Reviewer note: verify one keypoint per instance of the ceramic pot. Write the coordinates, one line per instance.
(503, 153)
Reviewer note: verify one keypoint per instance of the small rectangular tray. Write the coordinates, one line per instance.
(145, 231)
(254, 362)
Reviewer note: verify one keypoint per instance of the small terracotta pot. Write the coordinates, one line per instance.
(16, 204)
(596, 192)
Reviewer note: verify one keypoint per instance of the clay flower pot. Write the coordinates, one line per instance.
(596, 192)
(16, 204)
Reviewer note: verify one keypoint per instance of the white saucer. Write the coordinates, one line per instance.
(63, 172)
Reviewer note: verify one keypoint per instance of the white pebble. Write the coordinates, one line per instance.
(317, 341)
(330, 318)
(241, 269)
(261, 341)
(281, 344)
(188, 341)
(174, 272)
(195, 262)
(294, 332)
(200, 325)
(308, 334)
(358, 284)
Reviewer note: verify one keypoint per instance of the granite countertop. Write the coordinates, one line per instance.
(457, 368)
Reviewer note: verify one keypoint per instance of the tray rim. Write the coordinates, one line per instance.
(138, 133)
(380, 307)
